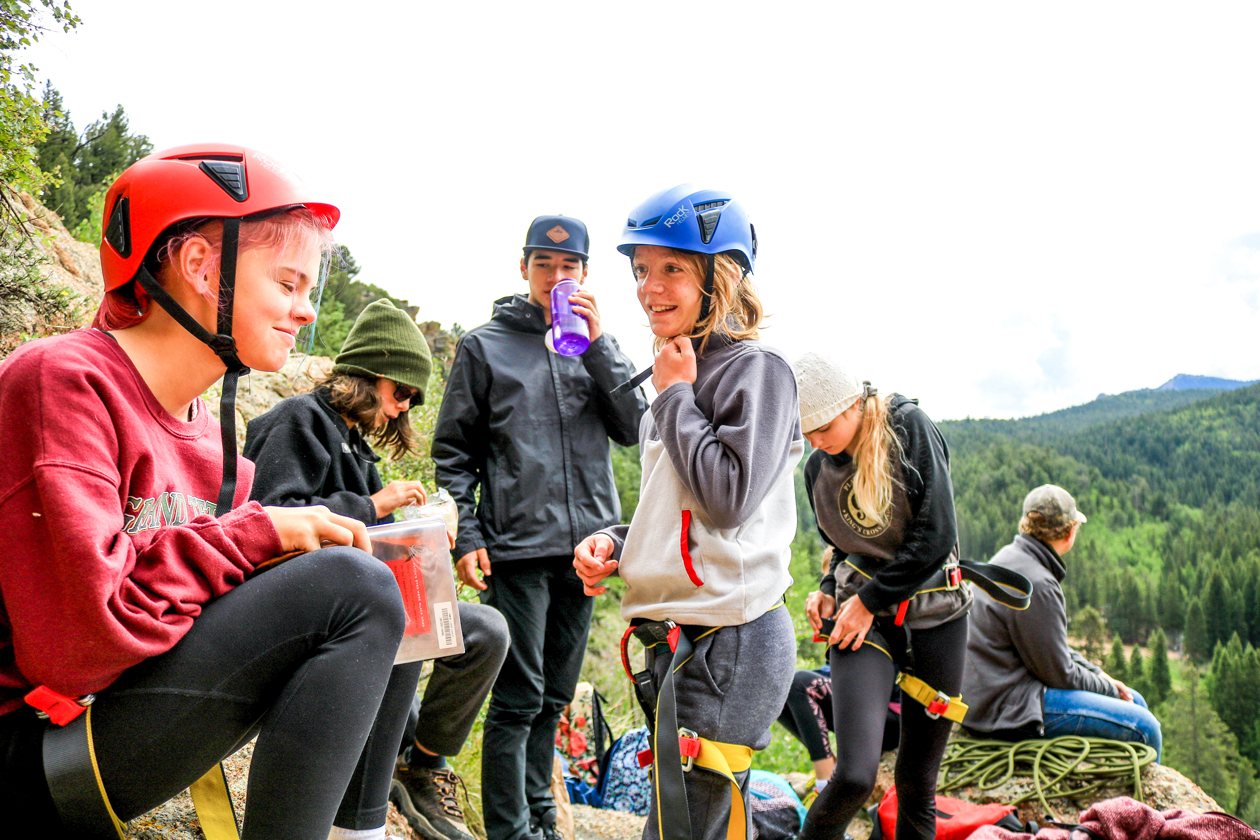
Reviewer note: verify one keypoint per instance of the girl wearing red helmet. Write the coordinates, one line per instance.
(125, 579)
(705, 557)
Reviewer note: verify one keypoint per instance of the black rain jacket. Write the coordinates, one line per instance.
(521, 441)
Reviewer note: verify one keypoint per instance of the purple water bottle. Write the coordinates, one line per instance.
(570, 332)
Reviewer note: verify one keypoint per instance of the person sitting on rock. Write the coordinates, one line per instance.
(310, 449)
(1022, 679)
(130, 599)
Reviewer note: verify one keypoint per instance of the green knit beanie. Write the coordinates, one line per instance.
(385, 341)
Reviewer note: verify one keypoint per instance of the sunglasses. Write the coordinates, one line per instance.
(402, 393)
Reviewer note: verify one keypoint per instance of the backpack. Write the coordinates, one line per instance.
(955, 819)
(777, 812)
(623, 784)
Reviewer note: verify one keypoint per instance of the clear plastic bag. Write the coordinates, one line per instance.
(442, 505)
(418, 554)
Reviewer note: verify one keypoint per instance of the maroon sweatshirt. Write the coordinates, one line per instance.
(110, 547)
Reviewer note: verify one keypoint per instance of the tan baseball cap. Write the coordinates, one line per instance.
(1055, 504)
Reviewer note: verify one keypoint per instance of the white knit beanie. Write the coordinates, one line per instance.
(825, 388)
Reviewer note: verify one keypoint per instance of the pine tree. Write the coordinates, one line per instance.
(1235, 690)
(1159, 674)
(1172, 601)
(1126, 611)
(1137, 673)
(1092, 630)
(1249, 689)
(1251, 602)
(1116, 666)
(1216, 612)
(1197, 645)
(1199, 745)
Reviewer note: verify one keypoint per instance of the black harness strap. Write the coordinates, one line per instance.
(73, 781)
(227, 400)
(673, 816)
(223, 345)
(660, 705)
(1003, 585)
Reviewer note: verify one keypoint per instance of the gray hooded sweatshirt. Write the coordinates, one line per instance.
(710, 541)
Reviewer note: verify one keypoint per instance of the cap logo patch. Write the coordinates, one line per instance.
(557, 234)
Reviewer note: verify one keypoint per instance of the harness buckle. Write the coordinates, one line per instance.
(953, 576)
(58, 708)
(688, 747)
(938, 706)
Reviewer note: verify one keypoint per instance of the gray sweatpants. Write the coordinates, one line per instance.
(459, 684)
(731, 690)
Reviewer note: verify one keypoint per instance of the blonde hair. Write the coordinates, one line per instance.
(877, 447)
(734, 306)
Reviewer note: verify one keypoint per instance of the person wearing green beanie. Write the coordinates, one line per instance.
(312, 449)
(385, 343)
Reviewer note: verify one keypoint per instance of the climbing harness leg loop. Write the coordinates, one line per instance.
(938, 704)
(78, 791)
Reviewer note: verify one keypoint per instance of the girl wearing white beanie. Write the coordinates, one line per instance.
(879, 485)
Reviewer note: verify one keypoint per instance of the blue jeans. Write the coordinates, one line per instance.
(1099, 716)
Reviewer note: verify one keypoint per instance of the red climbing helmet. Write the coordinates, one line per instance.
(203, 180)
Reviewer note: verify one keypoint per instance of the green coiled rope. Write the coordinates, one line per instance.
(1052, 765)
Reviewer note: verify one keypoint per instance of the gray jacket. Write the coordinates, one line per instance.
(521, 440)
(1013, 656)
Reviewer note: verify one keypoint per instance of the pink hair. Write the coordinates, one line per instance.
(129, 304)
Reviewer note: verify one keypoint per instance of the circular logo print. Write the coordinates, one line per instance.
(856, 518)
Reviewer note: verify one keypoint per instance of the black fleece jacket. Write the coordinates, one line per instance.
(305, 454)
(923, 531)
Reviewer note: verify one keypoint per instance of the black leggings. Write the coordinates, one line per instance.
(300, 656)
(807, 713)
(860, 684)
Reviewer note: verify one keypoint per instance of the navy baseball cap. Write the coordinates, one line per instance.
(557, 233)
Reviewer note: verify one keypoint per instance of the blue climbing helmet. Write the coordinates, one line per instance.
(691, 219)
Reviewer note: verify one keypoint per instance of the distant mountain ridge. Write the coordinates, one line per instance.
(1190, 382)
(1182, 390)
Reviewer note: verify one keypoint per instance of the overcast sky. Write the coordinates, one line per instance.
(1002, 209)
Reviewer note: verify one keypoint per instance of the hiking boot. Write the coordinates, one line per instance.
(546, 826)
(426, 798)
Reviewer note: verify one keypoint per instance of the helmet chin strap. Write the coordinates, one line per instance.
(707, 292)
(706, 295)
(223, 345)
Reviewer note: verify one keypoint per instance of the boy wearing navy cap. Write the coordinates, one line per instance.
(522, 444)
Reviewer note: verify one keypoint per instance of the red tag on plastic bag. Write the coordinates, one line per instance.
(411, 583)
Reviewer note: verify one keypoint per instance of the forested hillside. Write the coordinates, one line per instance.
(1171, 550)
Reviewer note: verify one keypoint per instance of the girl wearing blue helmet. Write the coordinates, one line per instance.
(705, 558)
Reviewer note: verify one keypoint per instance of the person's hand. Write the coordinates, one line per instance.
(853, 622)
(584, 305)
(466, 567)
(450, 538)
(590, 558)
(396, 494)
(310, 528)
(817, 607)
(1122, 689)
(675, 363)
